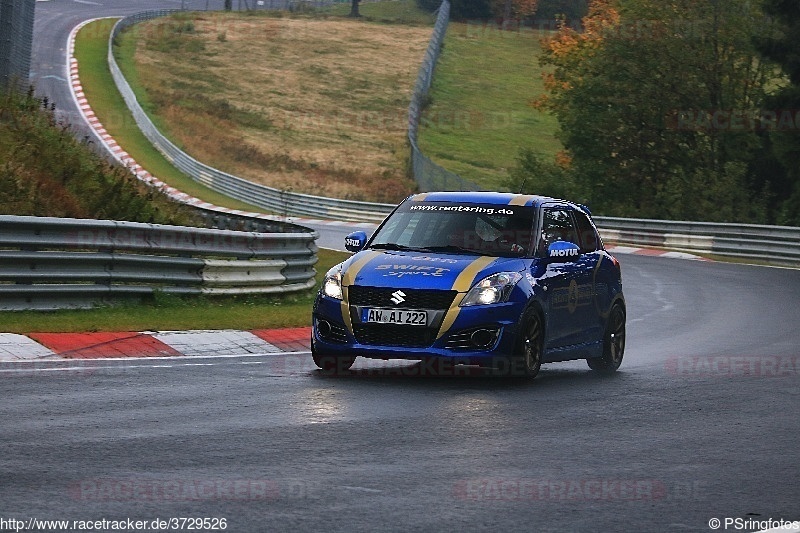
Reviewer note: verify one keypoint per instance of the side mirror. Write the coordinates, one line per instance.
(355, 241)
(563, 252)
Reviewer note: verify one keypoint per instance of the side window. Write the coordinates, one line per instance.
(557, 226)
(587, 235)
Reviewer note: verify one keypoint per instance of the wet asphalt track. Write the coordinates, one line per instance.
(701, 422)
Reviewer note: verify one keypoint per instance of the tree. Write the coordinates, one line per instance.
(533, 175)
(646, 96)
(228, 5)
(461, 9)
(571, 10)
(783, 47)
(354, 9)
(509, 10)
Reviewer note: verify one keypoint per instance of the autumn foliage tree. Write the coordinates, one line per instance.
(508, 10)
(639, 92)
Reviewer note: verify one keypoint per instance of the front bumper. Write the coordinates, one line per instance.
(479, 336)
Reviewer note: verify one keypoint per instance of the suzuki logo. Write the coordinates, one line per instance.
(398, 297)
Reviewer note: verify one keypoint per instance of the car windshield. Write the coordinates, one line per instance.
(458, 228)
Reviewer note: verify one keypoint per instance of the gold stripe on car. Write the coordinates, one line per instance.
(462, 284)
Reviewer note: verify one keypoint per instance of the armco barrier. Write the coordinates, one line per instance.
(779, 245)
(772, 244)
(52, 263)
(428, 175)
(275, 200)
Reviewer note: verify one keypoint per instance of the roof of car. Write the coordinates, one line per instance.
(481, 197)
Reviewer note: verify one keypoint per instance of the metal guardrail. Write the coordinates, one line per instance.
(428, 175)
(779, 245)
(53, 263)
(271, 199)
(773, 244)
(291, 5)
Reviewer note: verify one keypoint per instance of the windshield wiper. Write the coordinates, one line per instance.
(397, 247)
(453, 249)
(490, 253)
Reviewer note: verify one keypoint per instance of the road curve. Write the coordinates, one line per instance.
(700, 423)
(53, 23)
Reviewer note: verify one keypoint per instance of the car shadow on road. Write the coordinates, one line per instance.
(423, 373)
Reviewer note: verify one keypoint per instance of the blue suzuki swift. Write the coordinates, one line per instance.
(499, 280)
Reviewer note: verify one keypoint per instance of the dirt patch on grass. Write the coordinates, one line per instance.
(303, 104)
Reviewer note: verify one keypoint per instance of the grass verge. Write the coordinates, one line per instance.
(165, 312)
(306, 102)
(91, 51)
(480, 112)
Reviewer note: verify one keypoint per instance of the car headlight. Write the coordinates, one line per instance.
(492, 289)
(332, 286)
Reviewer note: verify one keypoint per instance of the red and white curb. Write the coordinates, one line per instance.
(130, 163)
(14, 347)
(114, 345)
(652, 252)
(368, 226)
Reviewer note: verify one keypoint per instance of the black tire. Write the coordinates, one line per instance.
(527, 358)
(331, 364)
(613, 343)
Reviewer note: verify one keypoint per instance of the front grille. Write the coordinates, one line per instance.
(414, 298)
(397, 335)
(391, 335)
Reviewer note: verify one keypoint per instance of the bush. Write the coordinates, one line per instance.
(45, 171)
(172, 35)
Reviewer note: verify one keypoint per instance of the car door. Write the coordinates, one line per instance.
(559, 279)
(587, 318)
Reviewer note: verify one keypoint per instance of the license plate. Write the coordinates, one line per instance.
(403, 317)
